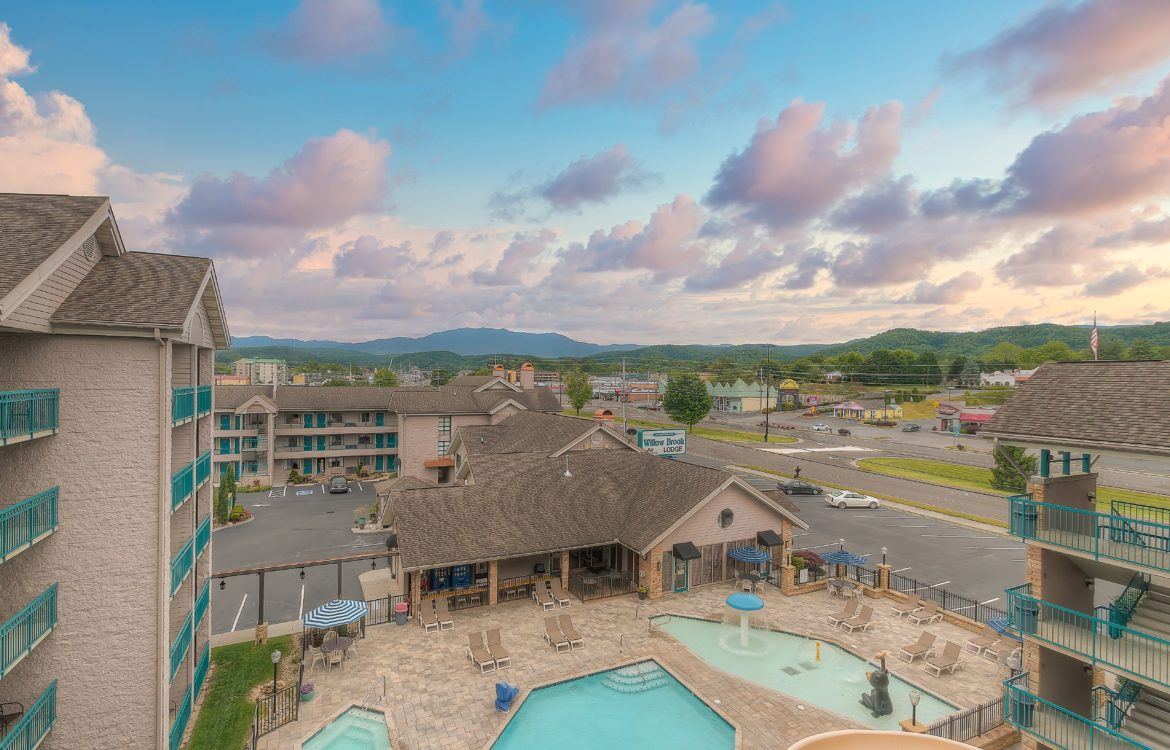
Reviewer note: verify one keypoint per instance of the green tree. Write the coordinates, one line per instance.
(1004, 475)
(578, 390)
(1111, 348)
(385, 377)
(969, 377)
(1141, 349)
(955, 368)
(1056, 351)
(338, 382)
(929, 369)
(686, 399)
(224, 495)
(440, 376)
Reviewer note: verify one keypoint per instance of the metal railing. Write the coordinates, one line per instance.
(589, 586)
(28, 627)
(1118, 646)
(203, 468)
(1129, 538)
(275, 710)
(202, 664)
(31, 728)
(203, 400)
(957, 603)
(181, 564)
(179, 723)
(381, 610)
(202, 600)
(971, 723)
(202, 536)
(182, 404)
(24, 524)
(1112, 706)
(181, 643)
(182, 486)
(1056, 725)
(23, 414)
(862, 575)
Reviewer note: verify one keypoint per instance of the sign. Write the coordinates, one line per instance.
(663, 442)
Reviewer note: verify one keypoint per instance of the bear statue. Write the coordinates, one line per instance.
(878, 700)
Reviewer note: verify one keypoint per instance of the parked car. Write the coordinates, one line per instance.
(338, 485)
(820, 427)
(797, 487)
(911, 428)
(846, 499)
(844, 431)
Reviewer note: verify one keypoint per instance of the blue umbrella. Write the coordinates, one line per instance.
(749, 555)
(335, 613)
(843, 557)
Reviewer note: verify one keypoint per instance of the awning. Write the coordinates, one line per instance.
(768, 538)
(438, 463)
(686, 551)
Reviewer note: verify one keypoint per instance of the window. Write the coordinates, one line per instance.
(444, 446)
(725, 518)
(444, 424)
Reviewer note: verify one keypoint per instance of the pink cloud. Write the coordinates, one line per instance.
(517, 260)
(14, 59)
(327, 31)
(947, 292)
(664, 245)
(1055, 258)
(466, 22)
(1122, 280)
(593, 179)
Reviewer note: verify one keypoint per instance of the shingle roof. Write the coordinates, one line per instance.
(235, 396)
(460, 399)
(1121, 406)
(475, 381)
(525, 432)
(136, 289)
(323, 397)
(33, 227)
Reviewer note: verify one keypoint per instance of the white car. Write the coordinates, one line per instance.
(820, 427)
(846, 499)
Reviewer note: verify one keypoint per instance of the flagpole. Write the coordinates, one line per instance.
(1095, 335)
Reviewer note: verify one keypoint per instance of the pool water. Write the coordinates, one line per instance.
(787, 663)
(356, 729)
(641, 705)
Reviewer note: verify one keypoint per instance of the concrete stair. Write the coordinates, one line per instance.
(1153, 613)
(636, 678)
(1149, 720)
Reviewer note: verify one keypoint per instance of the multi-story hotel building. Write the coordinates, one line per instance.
(1096, 657)
(105, 530)
(261, 371)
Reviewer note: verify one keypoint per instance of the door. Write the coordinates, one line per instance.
(681, 570)
(308, 420)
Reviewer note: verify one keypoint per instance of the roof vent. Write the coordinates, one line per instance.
(89, 247)
(568, 474)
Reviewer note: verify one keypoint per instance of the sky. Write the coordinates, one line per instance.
(638, 171)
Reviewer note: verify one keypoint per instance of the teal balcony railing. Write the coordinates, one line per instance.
(202, 664)
(202, 469)
(28, 522)
(181, 643)
(203, 400)
(182, 486)
(202, 536)
(1112, 706)
(1131, 653)
(1134, 539)
(1057, 726)
(202, 601)
(28, 731)
(28, 627)
(28, 414)
(179, 723)
(181, 564)
(182, 404)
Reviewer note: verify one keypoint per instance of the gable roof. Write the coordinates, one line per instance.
(524, 432)
(235, 396)
(148, 290)
(465, 399)
(1117, 406)
(33, 227)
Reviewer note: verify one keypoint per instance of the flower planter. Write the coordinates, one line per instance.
(306, 697)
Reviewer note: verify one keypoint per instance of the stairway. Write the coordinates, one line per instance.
(636, 678)
(1153, 613)
(1149, 720)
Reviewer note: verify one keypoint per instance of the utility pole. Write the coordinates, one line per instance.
(624, 394)
(767, 393)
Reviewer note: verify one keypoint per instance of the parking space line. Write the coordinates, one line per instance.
(990, 601)
(899, 570)
(239, 612)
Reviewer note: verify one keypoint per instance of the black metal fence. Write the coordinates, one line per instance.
(588, 586)
(971, 723)
(274, 711)
(948, 600)
(863, 575)
(381, 610)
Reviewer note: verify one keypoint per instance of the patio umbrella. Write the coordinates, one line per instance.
(843, 557)
(335, 613)
(749, 555)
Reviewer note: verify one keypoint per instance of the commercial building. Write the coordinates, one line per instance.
(261, 371)
(869, 411)
(105, 438)
(1096, 667)
(966, 420)
(233, 380)
(740, 397)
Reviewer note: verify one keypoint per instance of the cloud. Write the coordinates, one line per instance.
(593, 179)
(368, 257)
(796, 168)
(1122, 280)
(878, 208)
(1052, 259)
(747, 262)
(948, 292)
(13, 57)
(622, 51)
(329, 31)
(517, 260)
(1066, 50)
(809, 265)
(1152, 231)
(466, 23)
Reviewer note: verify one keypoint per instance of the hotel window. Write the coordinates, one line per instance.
(365, 417)
(444, 424)
(444, 446)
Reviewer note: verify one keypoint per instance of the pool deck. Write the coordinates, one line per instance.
(435, 698)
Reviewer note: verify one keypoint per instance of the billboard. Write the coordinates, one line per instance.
(663, 442)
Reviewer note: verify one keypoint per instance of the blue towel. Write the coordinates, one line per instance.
(505, 694)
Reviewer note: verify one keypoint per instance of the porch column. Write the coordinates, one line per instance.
(653, 575)
(565, 570)
(272, 449)
(883, 576)
(787, 579)
(493, 581)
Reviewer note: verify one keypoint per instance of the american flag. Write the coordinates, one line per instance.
(1093, 338)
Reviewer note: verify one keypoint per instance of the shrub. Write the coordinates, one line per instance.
(239, 513)
(799, 562)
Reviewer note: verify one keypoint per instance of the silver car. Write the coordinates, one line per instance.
(820, 427)
(846, 499)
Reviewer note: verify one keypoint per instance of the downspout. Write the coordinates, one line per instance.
(161, 701)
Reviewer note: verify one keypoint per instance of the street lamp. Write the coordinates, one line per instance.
(915, 696)
(275, 666)
(884, 551)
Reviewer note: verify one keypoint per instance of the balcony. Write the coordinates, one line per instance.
(26, 523)
(202, 601)
(28, 732)
(182, 486)
(182, 405)
(26, 415)
(254, 444)
(203, 469)
(1135, 535)
(179, 722)
(202, 400)
(1056, 726)
(201, 666)
(1104, 640)
(181, 643)
(28, 627)
(181, 564)
(202, 536)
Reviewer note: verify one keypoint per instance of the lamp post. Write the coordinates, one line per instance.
(884, 551)
(275, 667)
(915, 696)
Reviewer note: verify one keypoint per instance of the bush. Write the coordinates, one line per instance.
(799, 562)
(295, 477)
(239, 513)
(254, 488)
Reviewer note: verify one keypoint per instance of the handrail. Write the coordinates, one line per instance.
(1112, 706)
(181, 563)
(24, 524)
(28, 627)
(202, 664)
(181, 643)
(1107, 536)
(381, 700)
(203, 400)
(182, 485)
(30, 729)
(1122, 608)
(1070, 730)
(202, 468)
(202, 536)
(182, 403)
(25, 413)
(202, 600)
(179, 725)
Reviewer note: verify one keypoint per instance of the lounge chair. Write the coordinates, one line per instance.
(566, 624)
(849, 611)
(978, 643)
(948, 662)
(859, 622)
(553, 635)
(923, 648)
(444, 614)
(479, 654)
(558, 594)
(991, 652)
(496, 646)
(913, 604)
(426, 616)
(543, 596)
(928, 614)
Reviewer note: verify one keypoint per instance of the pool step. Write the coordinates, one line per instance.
(636, 678)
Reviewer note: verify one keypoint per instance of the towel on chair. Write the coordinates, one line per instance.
(505, 694)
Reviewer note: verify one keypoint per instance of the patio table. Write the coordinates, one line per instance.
(340, 643)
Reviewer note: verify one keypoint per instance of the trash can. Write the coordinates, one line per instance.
(1021, 708)
(1025, 614)
(1117, 620)
(1024, 520)
(401, 610)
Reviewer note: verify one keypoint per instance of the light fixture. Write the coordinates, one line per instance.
(275, 667)
(884, 551)
(373, 564)
(915, 696)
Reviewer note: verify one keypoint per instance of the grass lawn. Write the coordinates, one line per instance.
(918, 409)
(225, 718)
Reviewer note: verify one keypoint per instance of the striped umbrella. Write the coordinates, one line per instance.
(843, 557)
(335, 613)
(749, 555)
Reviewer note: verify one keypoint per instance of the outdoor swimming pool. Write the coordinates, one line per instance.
(355, 729)
(787, 663)
(640, 705)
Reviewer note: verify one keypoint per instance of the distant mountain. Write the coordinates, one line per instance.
(464, 341)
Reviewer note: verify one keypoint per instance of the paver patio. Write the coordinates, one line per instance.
(437, 699)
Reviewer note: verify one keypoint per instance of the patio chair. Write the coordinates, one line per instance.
(496, 646)
(553, 635)
(949, 661)
(478, 654)
(351, 649)
(912, 604)
(558, 594)
(861, 621)
(444, 615)
(923, 648)
(316, 655)
(978, 643)
(991, 652)
(566, 624)
(426, 616)
(329, 636)
(335, 657)
(928, 614)
(849, 611)
(543, 596)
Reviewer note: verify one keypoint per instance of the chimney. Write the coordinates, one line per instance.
(605, 417)
(527, 376)
(498, 371)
